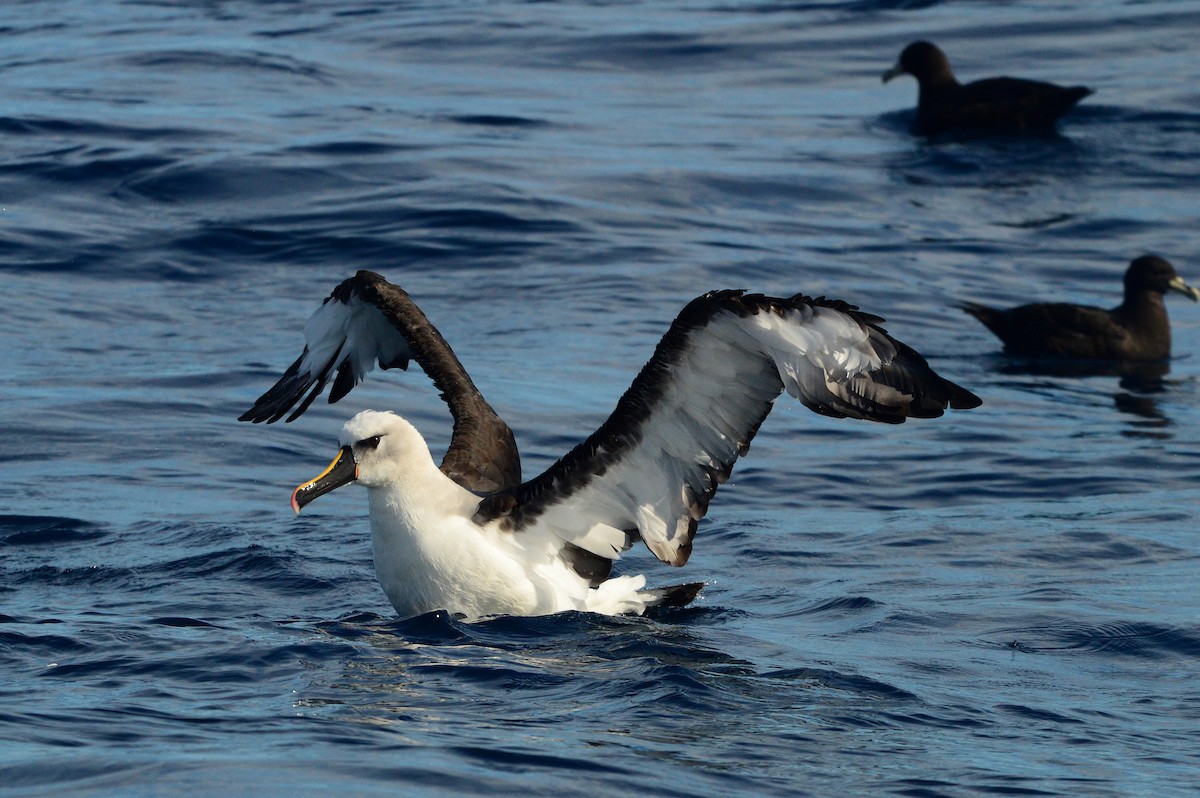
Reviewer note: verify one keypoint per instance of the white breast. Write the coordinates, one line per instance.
(428, 559)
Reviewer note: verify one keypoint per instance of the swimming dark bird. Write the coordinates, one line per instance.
(1137, 329)
(648, 473)
(992, 105)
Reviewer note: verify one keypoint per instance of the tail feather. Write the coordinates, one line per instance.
(674, 595)
(986, 315)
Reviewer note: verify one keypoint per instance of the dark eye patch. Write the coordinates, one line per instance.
(370, 443)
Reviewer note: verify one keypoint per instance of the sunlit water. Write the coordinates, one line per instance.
(1001, 601)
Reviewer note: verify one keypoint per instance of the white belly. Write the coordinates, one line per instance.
(426, 564)
(427, 559)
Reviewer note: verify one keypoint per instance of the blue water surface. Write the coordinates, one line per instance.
(1001, 601)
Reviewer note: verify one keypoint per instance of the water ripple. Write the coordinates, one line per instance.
(1132, 639)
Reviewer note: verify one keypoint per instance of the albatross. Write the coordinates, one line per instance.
(470, 537)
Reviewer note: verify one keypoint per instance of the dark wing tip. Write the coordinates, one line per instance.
(280, 397)
(932, 392)
(961, 398)
(343, 382)
(290, 390)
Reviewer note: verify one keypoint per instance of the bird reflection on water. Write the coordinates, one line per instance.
(1139, 383)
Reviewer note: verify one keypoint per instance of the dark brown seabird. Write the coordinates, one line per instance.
(1137, 329)
(471, 538)
(992, 105)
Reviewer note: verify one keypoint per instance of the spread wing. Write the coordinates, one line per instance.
(368, 321)
(651, 469)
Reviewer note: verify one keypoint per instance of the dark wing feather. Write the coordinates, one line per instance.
(1055, 329)
(997, 104)
(367, 321)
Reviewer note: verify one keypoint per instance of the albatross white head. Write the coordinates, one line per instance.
(379, 449)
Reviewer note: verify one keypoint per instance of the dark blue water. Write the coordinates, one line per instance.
(997, 602)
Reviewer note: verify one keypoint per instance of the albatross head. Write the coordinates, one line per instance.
(377, 447)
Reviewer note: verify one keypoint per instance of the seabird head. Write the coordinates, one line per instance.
(374, 448)
(924, 61)
(1152, 273)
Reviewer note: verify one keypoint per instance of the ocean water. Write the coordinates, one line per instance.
(997, 602)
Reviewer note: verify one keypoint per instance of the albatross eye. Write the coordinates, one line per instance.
(370, 443)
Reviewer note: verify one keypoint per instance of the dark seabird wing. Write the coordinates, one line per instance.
(367, 320)
(651, 469)
(1016, 103)
(1054, 329)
